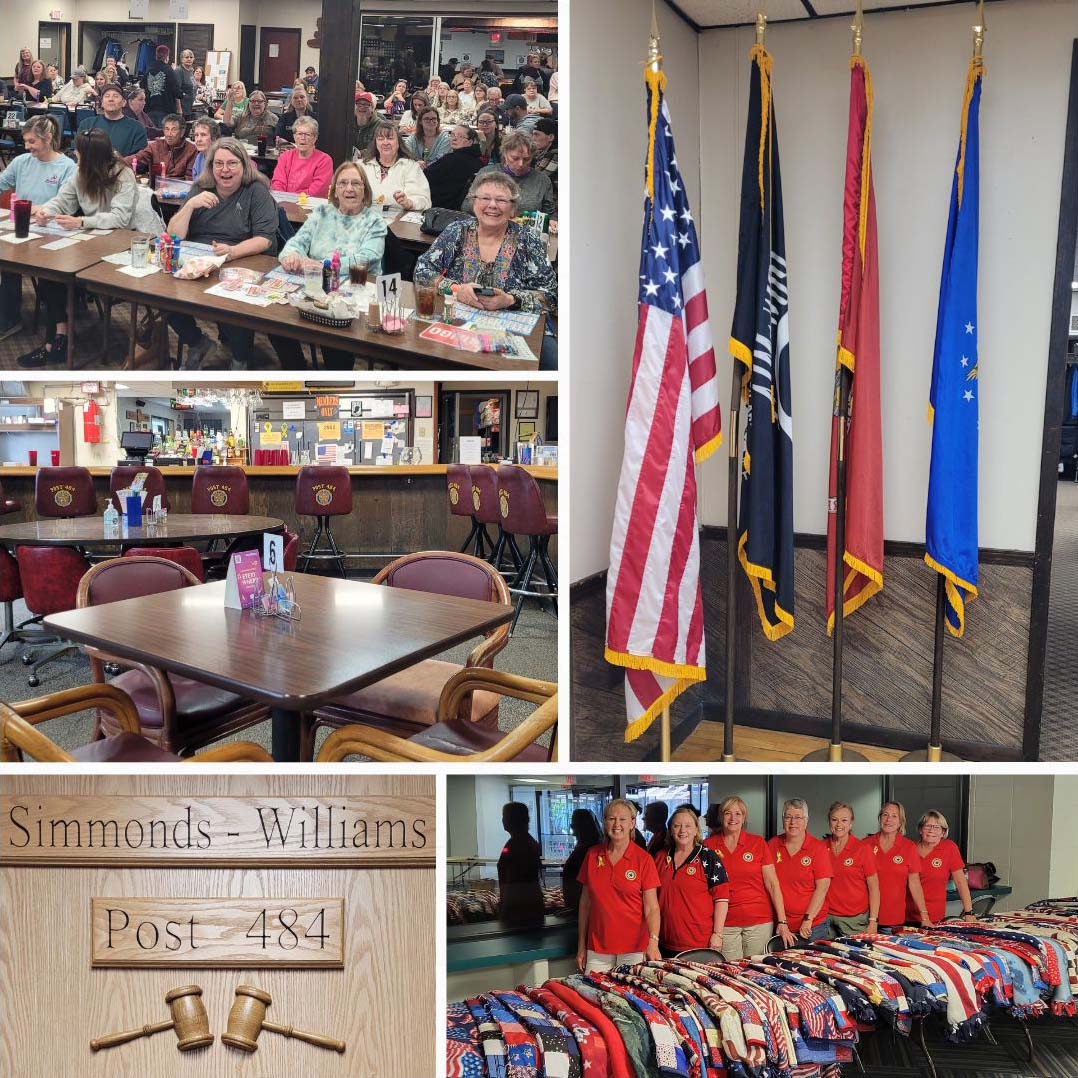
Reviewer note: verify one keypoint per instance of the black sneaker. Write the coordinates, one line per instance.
(9, 329)
(43, 357)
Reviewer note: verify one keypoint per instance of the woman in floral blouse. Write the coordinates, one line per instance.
(494, 252)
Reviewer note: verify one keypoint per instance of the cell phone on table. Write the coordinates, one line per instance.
(484, 291)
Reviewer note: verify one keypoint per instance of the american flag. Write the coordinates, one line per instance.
(655, 619)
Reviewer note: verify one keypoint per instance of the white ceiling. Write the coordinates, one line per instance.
(711, 13)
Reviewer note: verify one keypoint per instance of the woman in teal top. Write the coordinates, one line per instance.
(347, 225)
(37, 175)
(429, 141)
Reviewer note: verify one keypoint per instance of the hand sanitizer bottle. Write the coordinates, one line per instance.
(112, 517)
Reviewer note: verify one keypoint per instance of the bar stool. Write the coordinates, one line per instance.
(323, 491)
(523, 513)
(458, 481)
(64, 492)
(221, 489)
(123, 475)
(485, 503)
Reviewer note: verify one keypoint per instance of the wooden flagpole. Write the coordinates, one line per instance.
(835, 752)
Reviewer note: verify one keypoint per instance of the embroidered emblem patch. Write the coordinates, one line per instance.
(848, 862)
(691, 870)
(62, 497)
(323, 495)
(630, 874)
(475, 498)
(897, 858)
(218, 497)
(746, 857)
(806, 861)
(503, 502)
(937, 862)
(454, 493)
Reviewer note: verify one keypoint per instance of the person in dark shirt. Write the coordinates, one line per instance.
(163, 92)
(299, 105)
(366, 121)
(519, 870)
(127, 136)
(450, 177)
(588, 833)
(655, 816)
(231, 208)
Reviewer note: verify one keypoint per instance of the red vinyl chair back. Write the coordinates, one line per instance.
(458, 489)
(443, 572)
(124, 474)
(131, 577)
(291, 550)
(186, 556)
(218, 488)
(50, 577)
(64, 492)
(520, 503)
(10, 581)
(485, 494)
(323, 490)
(6, 504)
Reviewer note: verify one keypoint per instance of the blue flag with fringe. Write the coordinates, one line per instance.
(951, 527)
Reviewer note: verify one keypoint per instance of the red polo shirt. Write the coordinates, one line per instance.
(750, 903)
(848, 894)
(687, 897)
(936, 868)
(616, 922)
(798, 875)
(894, 868)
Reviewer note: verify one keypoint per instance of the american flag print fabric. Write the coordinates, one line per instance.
(655, 618)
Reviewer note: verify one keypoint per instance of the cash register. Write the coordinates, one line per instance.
(136, 444)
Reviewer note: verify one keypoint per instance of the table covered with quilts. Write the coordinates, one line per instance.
(792, 1014)
(469, 907)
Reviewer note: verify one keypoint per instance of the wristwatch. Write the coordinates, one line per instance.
(653, 936)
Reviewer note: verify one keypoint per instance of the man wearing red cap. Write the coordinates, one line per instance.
(366, 121)
(163, 90)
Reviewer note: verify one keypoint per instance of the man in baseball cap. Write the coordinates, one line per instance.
(516, 112)
(126, 134)
(366, 120)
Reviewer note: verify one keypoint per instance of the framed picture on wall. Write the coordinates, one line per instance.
(424, 407)
(527, 404)
(525, 430)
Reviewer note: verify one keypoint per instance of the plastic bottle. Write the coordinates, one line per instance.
(335, 267)
(327, 277)
(112, 516)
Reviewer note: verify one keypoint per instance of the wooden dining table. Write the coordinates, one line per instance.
(90, 531)
(350, 635)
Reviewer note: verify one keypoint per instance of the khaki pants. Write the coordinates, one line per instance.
(604, 963)
(847, 926)
(743, 942)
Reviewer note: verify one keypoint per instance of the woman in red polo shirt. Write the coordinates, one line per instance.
(803, 866)
(755, 895)
(618, 920)
(899, 867)
(694, 894)
(940, 860)
(853, 899)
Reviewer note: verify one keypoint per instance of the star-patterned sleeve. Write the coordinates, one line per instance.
(718, 883)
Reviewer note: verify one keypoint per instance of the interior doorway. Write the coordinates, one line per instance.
(54, 45)
(278, 58)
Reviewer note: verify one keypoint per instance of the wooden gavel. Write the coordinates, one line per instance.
(247, 1019)
(189, 1019)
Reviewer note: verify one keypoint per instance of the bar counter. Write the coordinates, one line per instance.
(396, 509)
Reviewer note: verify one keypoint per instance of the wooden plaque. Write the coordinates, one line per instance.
(281, 832)
(217, 933)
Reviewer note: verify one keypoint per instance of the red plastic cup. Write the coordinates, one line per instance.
(33, 458)
(55, 458)
(21, 212)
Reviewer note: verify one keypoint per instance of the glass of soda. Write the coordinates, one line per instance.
(357, 274)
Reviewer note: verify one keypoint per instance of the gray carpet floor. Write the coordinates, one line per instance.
(532, 651)
(1059, 729)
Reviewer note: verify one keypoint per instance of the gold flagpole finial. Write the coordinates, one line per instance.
(655, 59)
(858, 28)
(761, 28)
(978, 32)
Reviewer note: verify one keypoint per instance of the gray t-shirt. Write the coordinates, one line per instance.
(250, 212)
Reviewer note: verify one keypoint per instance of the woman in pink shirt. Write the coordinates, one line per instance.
(304, 170)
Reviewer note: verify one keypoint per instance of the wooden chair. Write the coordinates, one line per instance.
(407, 702)
(455, 740)
(180, 714)
(20, 738)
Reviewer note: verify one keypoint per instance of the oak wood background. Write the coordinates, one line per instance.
(52, 1003)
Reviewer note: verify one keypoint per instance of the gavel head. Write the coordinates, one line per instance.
(189, 1014)
(246, 1017)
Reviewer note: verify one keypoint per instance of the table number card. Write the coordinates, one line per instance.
(243, 586)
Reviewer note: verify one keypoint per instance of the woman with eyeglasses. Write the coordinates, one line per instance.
(490, 137)
(803, 867)
(304, 169)
(429, 142)
(410, 119)
(229, 207)
(536, 190)
(257, 121)
(395, 179)
(941, 861)
(898, 865)
(348, 225)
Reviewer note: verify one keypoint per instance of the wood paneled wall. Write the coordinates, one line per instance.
(52, 1003)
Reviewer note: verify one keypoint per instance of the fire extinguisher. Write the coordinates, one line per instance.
(91, 422)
